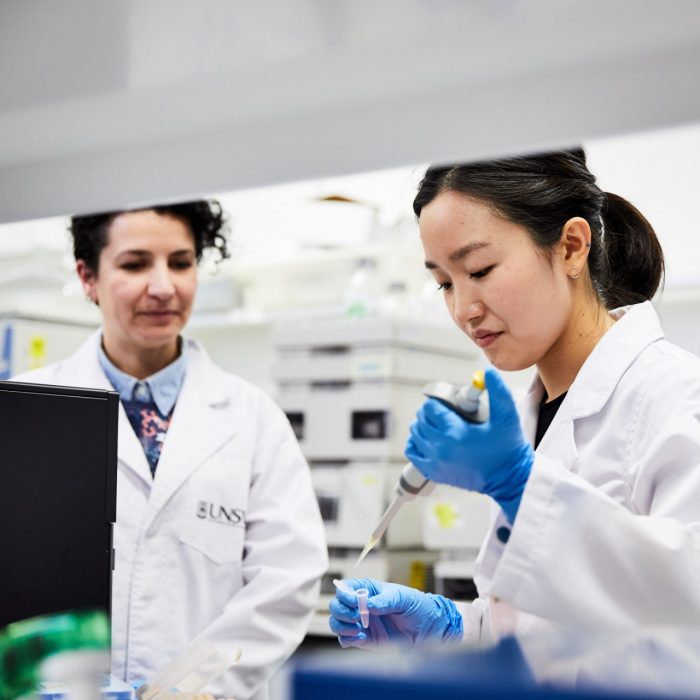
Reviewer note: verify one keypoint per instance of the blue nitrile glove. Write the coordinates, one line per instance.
(492, 457)
(397, 615)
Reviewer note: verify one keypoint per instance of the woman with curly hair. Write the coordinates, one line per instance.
(218, 533)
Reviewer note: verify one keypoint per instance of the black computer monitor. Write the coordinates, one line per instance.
(58, 494)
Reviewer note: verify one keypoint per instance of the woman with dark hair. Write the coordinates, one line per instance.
(218, 533)
(597, 480)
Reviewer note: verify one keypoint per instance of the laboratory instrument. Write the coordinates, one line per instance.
(28, 341)
(465, 401)
(350, 388)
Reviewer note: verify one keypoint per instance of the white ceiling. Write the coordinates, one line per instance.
(107, 104)
(656, 171)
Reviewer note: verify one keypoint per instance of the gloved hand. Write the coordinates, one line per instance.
(397, 614)
(492, 457)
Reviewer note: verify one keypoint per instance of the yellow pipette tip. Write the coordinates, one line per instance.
(368, 547)
(478, 380)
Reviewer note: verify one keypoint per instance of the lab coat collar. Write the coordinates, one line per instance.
(636, 327)
(164, 385)
(199, 427)
(85, 367)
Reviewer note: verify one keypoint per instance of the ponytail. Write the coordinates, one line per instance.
(634, 266)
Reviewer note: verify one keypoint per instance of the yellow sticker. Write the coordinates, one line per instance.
(446, 515)
(37, 351)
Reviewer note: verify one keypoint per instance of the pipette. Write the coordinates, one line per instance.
(465, 401)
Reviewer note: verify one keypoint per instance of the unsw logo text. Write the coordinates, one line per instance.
(220, 514)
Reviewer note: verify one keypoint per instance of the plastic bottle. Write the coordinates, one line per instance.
(360, 296)
(395, 302)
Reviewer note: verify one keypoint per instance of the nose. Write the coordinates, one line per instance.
(160, 283)
(467, 310)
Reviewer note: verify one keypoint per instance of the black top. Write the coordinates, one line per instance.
(546, 415)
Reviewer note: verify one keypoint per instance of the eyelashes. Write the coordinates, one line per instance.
(140, 265)
(478, 275)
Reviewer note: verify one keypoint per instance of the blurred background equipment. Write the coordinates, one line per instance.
(58, 656)
(27, 343)
(350, 387)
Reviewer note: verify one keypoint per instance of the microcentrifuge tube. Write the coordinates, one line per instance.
(362, 596)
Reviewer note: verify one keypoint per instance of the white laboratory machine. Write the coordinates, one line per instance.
(28, 342)
(351, 388)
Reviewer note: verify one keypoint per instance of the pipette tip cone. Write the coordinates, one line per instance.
(370, 543)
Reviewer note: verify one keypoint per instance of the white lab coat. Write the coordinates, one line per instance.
(183, 569)
(608, 529)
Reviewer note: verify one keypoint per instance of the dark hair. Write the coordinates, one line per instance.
(205, 218)
(541, 192)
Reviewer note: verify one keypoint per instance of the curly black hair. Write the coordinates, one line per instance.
(205, 218)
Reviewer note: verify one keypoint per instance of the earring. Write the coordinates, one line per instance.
(574, 273)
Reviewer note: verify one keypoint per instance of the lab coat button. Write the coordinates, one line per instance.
(142, 392)
(503, 534)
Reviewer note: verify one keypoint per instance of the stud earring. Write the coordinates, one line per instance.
(574, 273)
(588, 245)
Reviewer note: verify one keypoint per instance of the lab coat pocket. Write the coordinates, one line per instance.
(221, 544)
(211, 556)
(211, 535)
